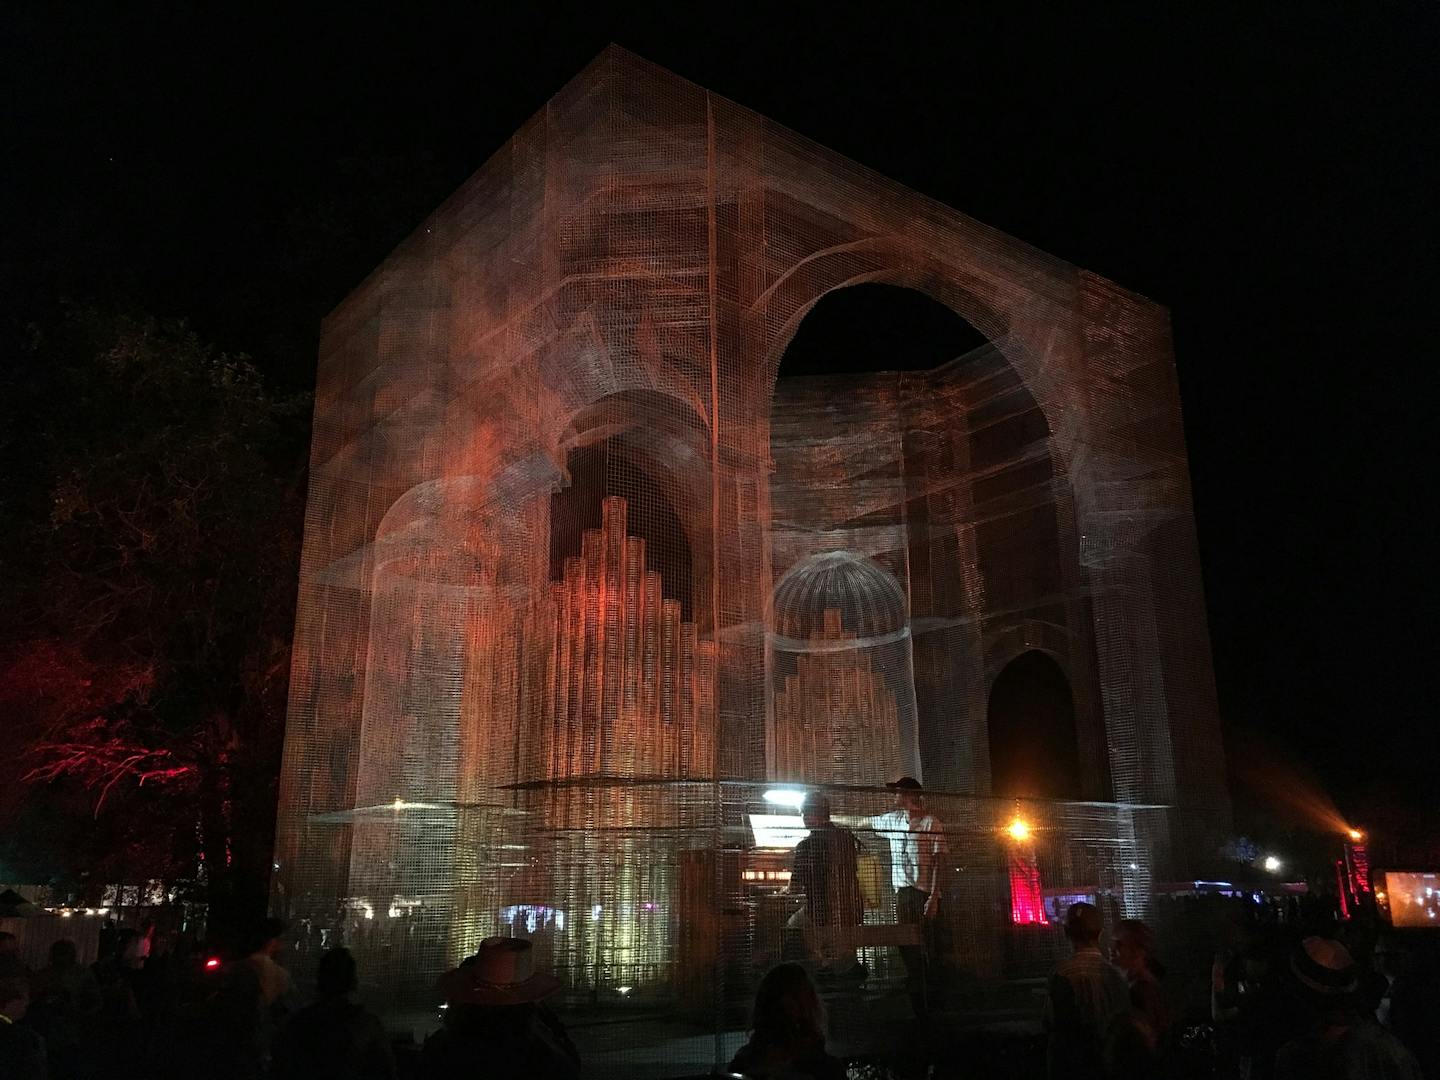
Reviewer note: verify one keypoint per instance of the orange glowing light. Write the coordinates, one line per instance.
(1019, 830)
(1356, 835)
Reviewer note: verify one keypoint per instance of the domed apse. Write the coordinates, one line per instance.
(843, 705)
(1033, 747)
(868, 600)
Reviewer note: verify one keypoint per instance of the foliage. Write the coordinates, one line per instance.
(153, 496)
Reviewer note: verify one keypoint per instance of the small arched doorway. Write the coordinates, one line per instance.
(1034, 751)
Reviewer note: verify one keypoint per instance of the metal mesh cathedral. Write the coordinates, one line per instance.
(582, 580)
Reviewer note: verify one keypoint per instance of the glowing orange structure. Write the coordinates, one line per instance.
(579, 577)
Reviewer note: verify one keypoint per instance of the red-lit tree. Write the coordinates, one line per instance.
(154, 495)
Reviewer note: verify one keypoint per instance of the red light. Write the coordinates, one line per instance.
(1027, 897)
(212, 963)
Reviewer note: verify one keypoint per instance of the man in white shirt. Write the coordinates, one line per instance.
(916, 839)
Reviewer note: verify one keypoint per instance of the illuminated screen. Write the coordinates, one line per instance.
(1057, 904)
(1414, 898)
(778, 830)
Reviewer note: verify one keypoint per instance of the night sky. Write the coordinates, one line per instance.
(1268, 175)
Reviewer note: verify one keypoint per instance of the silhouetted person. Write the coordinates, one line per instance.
(1253, 999)
(787, 1031)
(64, 1001)
(241, 1018)
(1139, 1039)
(11, 966)
(1087, 995)
(1342, 1043)
(496, 1022)
(916, 839)
(114, 1032)
(22, 1052)
(1412, 1005)
(170, 993)
(65, 977)
(335, 1038)
(264, 945)
(138, 946)
(825, 870)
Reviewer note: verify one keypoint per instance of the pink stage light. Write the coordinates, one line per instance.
(1027, 897)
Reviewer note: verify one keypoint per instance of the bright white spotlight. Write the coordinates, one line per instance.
(792, 797)
(1272, 863)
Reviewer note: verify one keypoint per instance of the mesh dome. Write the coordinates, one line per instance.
(867, 598)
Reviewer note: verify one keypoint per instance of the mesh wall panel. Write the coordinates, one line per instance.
(580, 579)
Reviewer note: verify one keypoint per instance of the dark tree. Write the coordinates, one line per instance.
(153, 495)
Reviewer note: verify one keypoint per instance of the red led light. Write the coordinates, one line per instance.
(212, 963)
(1027, 896)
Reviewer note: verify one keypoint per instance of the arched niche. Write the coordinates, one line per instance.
(1030, 721)
(454, 574)
(844, 699)
(653, 450)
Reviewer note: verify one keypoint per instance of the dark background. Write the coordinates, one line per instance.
(1269, 175)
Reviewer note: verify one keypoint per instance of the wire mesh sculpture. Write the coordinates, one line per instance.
(581, 581)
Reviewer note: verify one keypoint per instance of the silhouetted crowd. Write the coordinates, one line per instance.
(173, 1014)
(1285, 1003)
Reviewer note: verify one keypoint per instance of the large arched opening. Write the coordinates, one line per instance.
(854, 504)
(902, 433)
(1034, 750)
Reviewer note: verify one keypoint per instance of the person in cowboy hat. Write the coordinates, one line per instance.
(1341, 1042)
(496, 1022)
(916, 840)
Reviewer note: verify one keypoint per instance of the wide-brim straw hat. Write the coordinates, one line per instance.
(1324, 967)
(502, 972)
